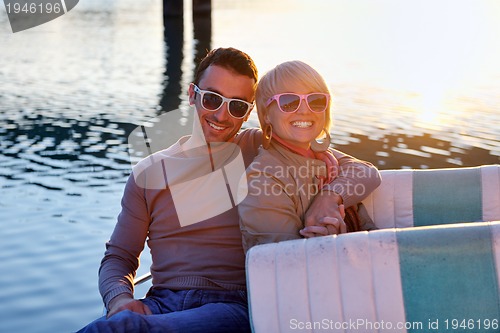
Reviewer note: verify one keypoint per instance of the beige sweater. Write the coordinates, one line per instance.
(281, 186)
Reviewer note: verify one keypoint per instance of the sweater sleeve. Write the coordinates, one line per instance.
(249, 141)
(356, 179)
(121, 259)
(267, 214)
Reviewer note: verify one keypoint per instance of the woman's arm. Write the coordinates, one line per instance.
(355, 181)
(267, 214)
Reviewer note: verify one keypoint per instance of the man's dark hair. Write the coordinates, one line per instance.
(229, 58)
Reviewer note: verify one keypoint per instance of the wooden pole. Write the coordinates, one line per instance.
(175, 8)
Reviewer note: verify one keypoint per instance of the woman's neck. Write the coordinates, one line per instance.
(307, 152)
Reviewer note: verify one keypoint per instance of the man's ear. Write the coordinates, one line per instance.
(192, 94)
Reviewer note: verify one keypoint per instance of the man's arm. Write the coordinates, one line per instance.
(121, 259)
(355, 181)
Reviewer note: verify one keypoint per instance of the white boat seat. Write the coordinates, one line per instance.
(393, 280)
(408, 198)
(424, 267)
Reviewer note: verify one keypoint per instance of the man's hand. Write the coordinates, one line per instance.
(313, 231)
(327, 226)
(325, 216)
(126, 302)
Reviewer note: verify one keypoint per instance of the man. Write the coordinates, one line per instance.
(198, 264)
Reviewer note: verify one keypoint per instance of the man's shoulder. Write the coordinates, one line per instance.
(249, 140)
(249, 136)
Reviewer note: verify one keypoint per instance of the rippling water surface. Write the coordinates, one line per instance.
(414, 85)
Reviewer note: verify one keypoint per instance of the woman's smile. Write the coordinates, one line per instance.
(302, 123)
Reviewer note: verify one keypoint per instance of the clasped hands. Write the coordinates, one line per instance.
(325, 216)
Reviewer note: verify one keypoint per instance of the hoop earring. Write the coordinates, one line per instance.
(267, 132)
(321, 146)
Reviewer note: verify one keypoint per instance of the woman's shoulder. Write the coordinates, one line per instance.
(266, 162)
(269, 164)
(268, 157)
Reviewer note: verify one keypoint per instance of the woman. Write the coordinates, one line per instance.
(293, 105)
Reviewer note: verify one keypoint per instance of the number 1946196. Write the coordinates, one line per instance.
(33, 8)
(471, 324)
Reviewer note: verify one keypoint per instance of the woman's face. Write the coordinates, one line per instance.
(300, 127)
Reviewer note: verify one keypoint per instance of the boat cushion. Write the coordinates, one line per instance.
(409, 198)
(394, 278)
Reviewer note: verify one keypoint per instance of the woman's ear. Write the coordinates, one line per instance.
(192, 94)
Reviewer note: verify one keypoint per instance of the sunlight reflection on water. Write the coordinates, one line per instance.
(424, 67)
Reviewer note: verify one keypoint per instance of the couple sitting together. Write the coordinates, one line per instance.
(297, 187)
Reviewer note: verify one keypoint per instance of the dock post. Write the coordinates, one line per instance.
(175, 8)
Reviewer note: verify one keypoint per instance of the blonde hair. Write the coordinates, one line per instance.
(277, 81)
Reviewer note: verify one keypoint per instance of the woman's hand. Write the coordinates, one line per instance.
(325, 203)
(326, 225)
(334, 225)
(313, 231)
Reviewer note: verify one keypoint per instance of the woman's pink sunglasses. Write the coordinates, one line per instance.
(290, 102)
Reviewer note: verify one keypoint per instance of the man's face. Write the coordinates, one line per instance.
(219, 125)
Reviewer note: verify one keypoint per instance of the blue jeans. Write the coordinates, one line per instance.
(182, 311)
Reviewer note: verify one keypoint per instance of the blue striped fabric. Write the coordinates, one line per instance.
(447, 196)
(448, 273)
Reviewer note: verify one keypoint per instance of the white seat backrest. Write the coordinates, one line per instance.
(440, 270)
(409, 198)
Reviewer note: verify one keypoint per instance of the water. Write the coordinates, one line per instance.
(415, 85)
